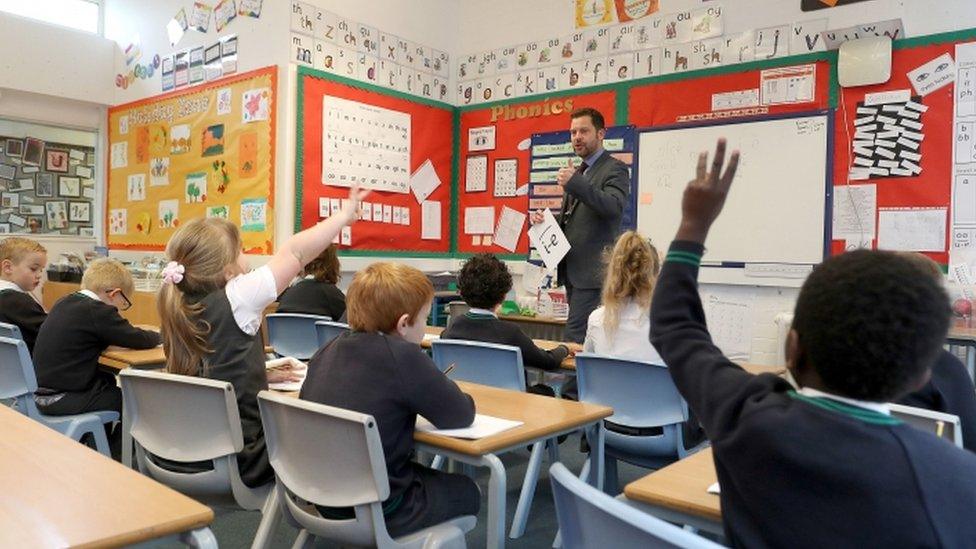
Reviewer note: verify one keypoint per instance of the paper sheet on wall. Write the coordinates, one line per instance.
(476, 174)
(481, 139)
(549, 240)
(365, 144)
(424, 181)
(964, 153)
(509, 228)
(854, 211)
(430, 227)
(506, 175)
(729, 318)
(912, 229)
(933, 75)
(479, 220)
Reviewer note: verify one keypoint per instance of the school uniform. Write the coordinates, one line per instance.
(19, 308)
(804, 468)
(234, 315)
(629, 340)
(394, 380)
(483, 325)
(949, 390)
(312, 297)
(78, 329)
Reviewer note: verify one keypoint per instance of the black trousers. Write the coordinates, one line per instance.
(102, 396)
(582, 302)
(435, 497)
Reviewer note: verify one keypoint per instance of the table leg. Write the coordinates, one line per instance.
(528, 491)
(126, 439)
(497, 481)
(971, 360)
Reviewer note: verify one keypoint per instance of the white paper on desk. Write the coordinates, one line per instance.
(854, 211)
(431, 337)
(430, 220)
(297, 366)
(482, 426)
(509, 228)
(912, 229)
(479, 220)
(549, 240)
(714, 489)
(424, 181)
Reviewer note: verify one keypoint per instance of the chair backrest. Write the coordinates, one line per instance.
(181, 418)
(17, 378)
(947, 426)
(10, 330)
(327, 330)
(331, 457)
(479, 362)
(456, 309)
(641, 394)
(590, 519)
(293, 334)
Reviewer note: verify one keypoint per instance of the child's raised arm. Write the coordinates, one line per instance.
(305, 246)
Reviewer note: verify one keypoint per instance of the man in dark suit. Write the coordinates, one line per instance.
(594, 195)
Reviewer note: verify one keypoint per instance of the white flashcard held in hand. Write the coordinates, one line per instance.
(549, 240)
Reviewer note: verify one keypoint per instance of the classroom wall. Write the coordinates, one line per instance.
(514, 21)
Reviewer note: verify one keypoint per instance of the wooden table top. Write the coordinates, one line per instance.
(540, 415)
(58, 493)
(962, 333)
(538, 319)
(120, 358)
(681, 486)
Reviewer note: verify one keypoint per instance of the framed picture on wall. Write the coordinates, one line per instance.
(86, 231)
(79, 212)
(45, 185)
(14, 147)
(35, 224)
(57, 217)
(4, 228)
(57, 161)
(33, 151)
(69, 187)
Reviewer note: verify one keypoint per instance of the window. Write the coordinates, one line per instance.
(76, 14)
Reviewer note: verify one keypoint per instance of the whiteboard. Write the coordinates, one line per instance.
(772, 228)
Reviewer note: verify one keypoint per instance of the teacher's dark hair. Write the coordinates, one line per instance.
(598, 122)
(483, 281)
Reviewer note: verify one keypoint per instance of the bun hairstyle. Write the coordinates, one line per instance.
(632, 269)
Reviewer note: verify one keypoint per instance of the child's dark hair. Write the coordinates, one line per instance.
(484, 281)
(871, 323)
(325, 267)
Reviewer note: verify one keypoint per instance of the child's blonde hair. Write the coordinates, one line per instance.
(15, 248)
(106, 274)
(383, 292)
(632, 269)
(204, 247)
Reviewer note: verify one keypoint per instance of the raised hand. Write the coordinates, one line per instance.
(705, 195)
(536, 217)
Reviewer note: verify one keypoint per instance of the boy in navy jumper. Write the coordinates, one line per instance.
(822, 465)
(21, 265)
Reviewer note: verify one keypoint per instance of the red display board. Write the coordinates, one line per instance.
(932, 187)
(431, 137)
(514, 123)
(690, 99)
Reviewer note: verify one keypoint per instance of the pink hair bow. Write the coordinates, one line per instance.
(173, 272)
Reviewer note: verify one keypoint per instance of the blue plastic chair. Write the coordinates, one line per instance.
(498, 366)
(326, 331)
(18, 382)
(478, 362)
(642, 396)
(10, 330)
(590, 519)
(293, 334)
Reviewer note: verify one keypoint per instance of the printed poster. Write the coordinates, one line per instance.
(592, 13)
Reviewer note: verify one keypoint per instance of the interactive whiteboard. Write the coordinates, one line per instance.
(773, 227)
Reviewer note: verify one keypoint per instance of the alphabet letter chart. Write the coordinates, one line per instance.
(366, 145)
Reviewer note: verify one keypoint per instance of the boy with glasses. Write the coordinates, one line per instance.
(79, 327)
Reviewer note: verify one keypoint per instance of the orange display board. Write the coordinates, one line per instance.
(203, 151)
(431, 138)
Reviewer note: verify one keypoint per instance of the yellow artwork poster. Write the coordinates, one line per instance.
(206, 151)
(590, 13)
